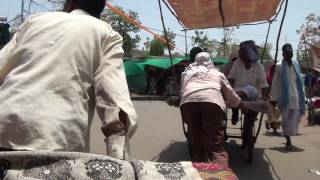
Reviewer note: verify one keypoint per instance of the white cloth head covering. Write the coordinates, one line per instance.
(250, 91)
(199, 68)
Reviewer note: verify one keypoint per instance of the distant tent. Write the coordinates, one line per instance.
(136, 75)
(163, 63)
(220, 61)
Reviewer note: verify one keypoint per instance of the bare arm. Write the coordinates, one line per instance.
(265, 93)
(275, 87)
(233, 74)
(231, 81)
(232, 98)
(263, 83)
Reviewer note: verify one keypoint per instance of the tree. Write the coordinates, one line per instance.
(57, 5)
(223, 48)
(267, 54)
(147, 44)
(202, 40)
(309, 34)
(124, 28)
(156, 47)
(228, 45)
(171, 37)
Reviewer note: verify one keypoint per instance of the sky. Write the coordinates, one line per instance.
(149, 16)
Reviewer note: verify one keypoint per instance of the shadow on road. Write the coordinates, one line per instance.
(261, 166)
(271, 134)
(284, 150)
(174, 152)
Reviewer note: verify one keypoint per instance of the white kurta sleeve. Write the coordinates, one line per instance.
(113, 103)
(233, 71)
(262, 80)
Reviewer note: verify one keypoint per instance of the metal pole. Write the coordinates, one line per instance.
(224, 42)
(22, 11)
(166, 34)
(29, 8)
(266, 42)
(279, 34)
(186, 42)
(223, 26)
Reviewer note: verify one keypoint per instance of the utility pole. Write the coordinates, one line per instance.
(224, 41)
(22, 11)
(29, 6)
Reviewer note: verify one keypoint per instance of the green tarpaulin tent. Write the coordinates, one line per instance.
(136, 75)
(163, 63)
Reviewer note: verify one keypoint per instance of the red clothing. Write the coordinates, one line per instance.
(270, 74)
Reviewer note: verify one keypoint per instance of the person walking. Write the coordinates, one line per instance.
(287, 93)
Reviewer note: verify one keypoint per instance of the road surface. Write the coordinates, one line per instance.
(160, 138)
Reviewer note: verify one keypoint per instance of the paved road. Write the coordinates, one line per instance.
(160, 138)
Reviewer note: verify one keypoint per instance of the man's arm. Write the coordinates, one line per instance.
(265, 93)
(262, 82)
(232, 98)
(275, 87)
(233, 74)
(113, 103)
(231, 81)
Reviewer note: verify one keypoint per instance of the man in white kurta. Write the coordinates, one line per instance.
(63, 66)
(288, 71)
(247, 70)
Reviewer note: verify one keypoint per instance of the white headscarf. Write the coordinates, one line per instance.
(199, 68)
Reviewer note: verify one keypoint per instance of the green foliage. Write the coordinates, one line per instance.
(202, 40)
(156, 48)
(147, 44)
(171, 37)
(309, 34)
(220, 49)
(228, 45)
(124, 28)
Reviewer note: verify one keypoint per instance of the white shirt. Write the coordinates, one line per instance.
(211, 88)
(293, 91)
(65, 66)
(255, 76)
